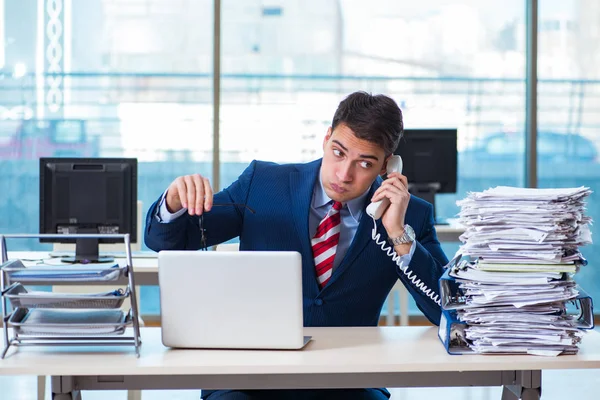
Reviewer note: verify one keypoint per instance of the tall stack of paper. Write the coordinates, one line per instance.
(524, 250)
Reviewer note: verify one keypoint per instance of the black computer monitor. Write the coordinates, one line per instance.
(430, 161)
(88, 195)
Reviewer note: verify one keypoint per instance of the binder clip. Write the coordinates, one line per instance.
(452, 333)
(584, 309)
(451, 295)
(454, 262)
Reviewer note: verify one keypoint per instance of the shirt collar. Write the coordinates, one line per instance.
(355, 206)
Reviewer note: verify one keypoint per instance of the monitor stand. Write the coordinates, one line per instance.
(426, 192)
(86, 252)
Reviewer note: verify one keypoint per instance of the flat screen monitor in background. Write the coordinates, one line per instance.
(88, 195)
(429, 162)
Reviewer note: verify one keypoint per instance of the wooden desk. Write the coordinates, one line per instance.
(336, 358)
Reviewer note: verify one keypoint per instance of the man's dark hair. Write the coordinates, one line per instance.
(377, 119)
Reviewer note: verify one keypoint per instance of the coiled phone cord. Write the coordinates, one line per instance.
(389, 250)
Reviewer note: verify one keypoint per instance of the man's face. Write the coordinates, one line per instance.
(350, 165)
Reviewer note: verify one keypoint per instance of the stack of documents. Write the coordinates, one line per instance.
(522, 247)
(531, 226)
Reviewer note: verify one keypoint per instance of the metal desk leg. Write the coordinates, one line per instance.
(510, 392)
(531, 394)
(62, 388)
(528, 386)
(67, 396)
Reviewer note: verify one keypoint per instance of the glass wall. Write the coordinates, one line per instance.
(286, 67)
(134, 78)
(448, 64)
(108, 78)
(569, 110)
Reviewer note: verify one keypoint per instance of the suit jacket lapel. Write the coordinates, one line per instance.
(301, 190)
(361, 238)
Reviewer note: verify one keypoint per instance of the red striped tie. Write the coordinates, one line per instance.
(325, 242)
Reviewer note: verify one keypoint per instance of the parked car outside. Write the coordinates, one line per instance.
(552, 147)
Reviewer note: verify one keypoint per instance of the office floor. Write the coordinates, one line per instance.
(574, 384)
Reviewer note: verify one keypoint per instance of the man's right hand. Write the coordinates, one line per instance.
(192, 192)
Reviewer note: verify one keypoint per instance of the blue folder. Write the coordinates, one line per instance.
(585, 305)
(452, 333)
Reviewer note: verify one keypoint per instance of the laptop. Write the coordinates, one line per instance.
(231, 299)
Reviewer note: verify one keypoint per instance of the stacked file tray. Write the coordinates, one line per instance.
(511, 289)
(19, 297)
(53, 318)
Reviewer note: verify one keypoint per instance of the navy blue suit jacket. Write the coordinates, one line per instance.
(281, 196)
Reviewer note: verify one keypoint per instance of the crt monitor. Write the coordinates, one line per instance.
(429, 161)
(88, 195)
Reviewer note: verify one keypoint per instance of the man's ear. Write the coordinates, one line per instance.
(327, 136)
(384, 166)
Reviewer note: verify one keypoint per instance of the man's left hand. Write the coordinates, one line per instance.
(395, 188)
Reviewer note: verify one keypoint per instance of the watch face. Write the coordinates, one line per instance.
(409, 232)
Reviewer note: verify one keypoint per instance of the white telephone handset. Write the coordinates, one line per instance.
(376, 209)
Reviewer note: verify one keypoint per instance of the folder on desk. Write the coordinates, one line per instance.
(451, 295)
(452, 333)
(585, 305)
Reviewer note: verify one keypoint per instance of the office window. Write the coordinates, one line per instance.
(136, 80)
(283, 77)
(122, 78)
(568, 113)
(448, 64)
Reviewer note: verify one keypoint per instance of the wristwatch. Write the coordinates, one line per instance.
(407, 237)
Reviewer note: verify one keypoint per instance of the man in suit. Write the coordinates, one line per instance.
(318, 209)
